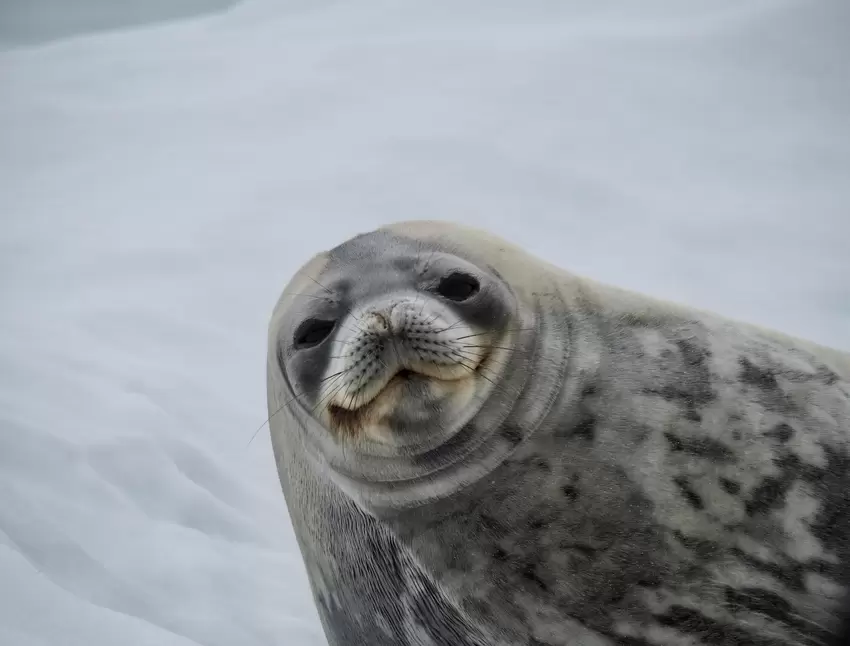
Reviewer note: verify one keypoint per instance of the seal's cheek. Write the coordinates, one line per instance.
(489, 309)
(305, 371)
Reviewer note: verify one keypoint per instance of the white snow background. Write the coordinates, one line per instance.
(159, 186)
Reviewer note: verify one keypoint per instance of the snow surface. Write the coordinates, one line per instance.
(158, 188)
(30, 22)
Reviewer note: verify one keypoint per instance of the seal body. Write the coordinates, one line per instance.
(478, 448)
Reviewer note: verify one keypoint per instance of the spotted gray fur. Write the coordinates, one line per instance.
(658, 476)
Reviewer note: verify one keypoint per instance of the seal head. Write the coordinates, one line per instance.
(398, 360)
(396, 363)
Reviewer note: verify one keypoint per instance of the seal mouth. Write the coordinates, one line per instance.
(353, 422)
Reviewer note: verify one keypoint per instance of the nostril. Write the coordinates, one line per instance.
(379, 320)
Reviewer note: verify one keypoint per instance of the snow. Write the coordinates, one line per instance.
(159, 186)
(28, 22)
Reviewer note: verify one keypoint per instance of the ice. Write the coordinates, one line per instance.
(159, 186)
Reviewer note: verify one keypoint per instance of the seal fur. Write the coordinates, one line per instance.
(604, 468)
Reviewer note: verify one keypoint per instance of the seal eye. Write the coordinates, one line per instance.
(458, 287)
(312, 332)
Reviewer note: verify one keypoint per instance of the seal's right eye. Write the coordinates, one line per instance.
(312, 332)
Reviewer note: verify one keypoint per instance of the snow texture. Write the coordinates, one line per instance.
(158, 187)
(37, 21)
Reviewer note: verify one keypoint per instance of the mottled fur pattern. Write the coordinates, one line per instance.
(650, 475)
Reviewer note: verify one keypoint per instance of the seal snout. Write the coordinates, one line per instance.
(390, 346)
(386, 334)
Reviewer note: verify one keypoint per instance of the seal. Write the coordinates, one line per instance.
(478, 448)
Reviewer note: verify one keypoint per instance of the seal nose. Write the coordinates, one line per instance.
(377, 321)
(398, 318)
(389, 321)
(385, 328)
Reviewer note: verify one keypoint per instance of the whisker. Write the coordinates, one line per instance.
(482, 371)
(269, 418)
(428, 262)
(329, 291)
(487, 347)
(353, 331)
(314, 296)
(520, 329)
(331, 392)
(291, 401)
(348, 310)
(341, 372)
(446, 329)
(355, 393)
(334, 390)
(481, 374)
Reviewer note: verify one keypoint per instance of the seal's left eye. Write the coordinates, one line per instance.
(312, 332)
(458, 287)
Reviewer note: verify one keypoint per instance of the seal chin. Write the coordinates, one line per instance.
(409, 402)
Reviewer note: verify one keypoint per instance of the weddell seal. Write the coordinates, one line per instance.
(478, 448)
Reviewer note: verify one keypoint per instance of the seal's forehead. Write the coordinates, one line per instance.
(421, 229)
(457, 236)
(473, 244)
(388, 255)
(383, 247)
